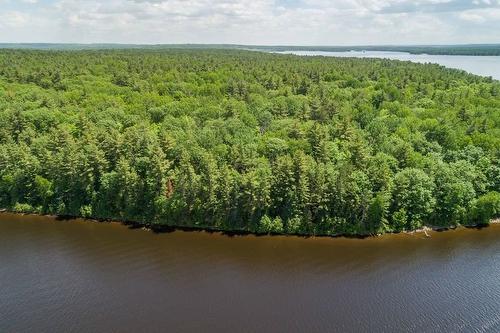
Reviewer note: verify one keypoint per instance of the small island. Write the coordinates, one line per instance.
(247, 141)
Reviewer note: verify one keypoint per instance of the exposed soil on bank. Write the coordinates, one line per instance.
(159, 228)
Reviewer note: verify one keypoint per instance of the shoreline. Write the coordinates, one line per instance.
(159, 228)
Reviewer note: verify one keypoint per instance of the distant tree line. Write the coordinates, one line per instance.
(463, 49)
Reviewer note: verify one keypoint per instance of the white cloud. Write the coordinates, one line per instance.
(481, 15)
(13, 19)
(250, 22)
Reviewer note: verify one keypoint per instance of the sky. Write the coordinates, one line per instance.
(256, 22)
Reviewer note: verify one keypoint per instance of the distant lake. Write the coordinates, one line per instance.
(479, 65)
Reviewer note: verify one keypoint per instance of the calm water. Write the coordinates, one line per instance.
(75, 276)
(483, 65)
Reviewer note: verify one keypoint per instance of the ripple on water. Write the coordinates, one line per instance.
(58, 276)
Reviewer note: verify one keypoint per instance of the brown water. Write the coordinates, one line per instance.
(76, 276)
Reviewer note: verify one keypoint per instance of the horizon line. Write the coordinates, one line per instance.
(236, 44)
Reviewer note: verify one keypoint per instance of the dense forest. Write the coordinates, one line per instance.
(248, 141)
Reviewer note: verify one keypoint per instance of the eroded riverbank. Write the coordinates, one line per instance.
(159, 228)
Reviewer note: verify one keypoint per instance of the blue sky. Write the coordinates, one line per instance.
(293, 22)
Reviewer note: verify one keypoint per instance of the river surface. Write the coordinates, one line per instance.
(80, 276)
(479, 65)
